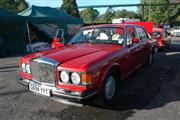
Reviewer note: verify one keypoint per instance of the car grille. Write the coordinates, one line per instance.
(43, 71)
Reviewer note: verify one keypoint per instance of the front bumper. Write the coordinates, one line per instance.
(61, 96)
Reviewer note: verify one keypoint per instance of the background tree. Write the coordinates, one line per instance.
(89, 15)
(107, 17)
(126, 14)
(14, 5)
(70, 7)
(157, 14)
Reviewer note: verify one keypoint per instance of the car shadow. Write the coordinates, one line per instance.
(153, 87)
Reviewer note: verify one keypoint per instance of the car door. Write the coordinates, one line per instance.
(133, 48)
(144, 45)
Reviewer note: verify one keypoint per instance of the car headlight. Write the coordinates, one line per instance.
(64, 76)
(23, 67)
(28, 70)
(75, 78)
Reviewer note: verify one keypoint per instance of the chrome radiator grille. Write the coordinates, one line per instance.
(43, 70)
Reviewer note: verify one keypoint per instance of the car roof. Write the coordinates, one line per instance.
(113, 25)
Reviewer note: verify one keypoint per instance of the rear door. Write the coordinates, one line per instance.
(144, 45)
(134, 50)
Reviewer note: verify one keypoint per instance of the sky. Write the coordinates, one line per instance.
(57, 3)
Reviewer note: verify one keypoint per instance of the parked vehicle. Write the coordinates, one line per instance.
(90, 66)
(176, 31)
(162, 38)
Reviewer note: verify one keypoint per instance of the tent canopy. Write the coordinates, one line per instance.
(38, 14)
(11, 32)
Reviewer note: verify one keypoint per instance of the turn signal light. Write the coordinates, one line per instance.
(86, 79)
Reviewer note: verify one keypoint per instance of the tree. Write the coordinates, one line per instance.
(125, 14)
(107, 17)
(14, 5)
(157, 14)
(70, 7)
(89, 15)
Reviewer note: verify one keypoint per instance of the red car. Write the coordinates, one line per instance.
(162, 38)
(91, 65)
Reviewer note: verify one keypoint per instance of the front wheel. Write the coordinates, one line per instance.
(108, 95)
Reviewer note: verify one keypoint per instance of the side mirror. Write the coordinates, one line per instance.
(56, 43)
(56, 40)
(135, 40)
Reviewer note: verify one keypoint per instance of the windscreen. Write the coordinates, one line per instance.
(109, 35)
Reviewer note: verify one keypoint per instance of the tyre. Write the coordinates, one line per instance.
(108, 94)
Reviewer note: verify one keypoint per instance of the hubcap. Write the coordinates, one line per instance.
(110, 87)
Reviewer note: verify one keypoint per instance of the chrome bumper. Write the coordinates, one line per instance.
(57, 95)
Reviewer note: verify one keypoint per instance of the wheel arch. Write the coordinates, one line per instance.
(115, 67)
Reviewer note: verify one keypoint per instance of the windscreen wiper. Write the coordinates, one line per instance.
(84, 41)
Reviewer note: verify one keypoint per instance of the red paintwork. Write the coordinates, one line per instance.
(161, 39)
(94, 58)
(147, 25)
(56, 43)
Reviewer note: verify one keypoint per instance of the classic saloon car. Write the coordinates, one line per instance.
(162, 38)
(91, 65)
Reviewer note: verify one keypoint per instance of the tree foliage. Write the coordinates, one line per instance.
(89, 15)
(157, 14)
(14, 5)
(126, 14)
(70, 7)
(108, 16)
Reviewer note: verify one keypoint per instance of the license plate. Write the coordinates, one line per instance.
(39, 89)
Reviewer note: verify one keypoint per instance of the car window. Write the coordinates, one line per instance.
(109, 35)
(131, 34)
(142, 34)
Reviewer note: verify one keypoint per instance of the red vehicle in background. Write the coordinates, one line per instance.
(91, 65)
(162, 38)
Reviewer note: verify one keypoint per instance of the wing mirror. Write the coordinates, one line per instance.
(135, 40)
(56, 43)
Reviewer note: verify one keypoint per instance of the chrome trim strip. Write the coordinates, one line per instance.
(46, 60)
(76, 97)
(43, 84)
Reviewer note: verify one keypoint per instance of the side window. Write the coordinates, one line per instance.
(131, 34)
(129, 39)
(142, 34)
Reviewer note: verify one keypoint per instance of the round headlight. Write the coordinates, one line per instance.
(64, 76)
(23, 67)
(28, 70)
(75, 78)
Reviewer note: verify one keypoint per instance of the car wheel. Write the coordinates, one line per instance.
(108, 94)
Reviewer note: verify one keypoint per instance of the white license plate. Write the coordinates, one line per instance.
(39, 89)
